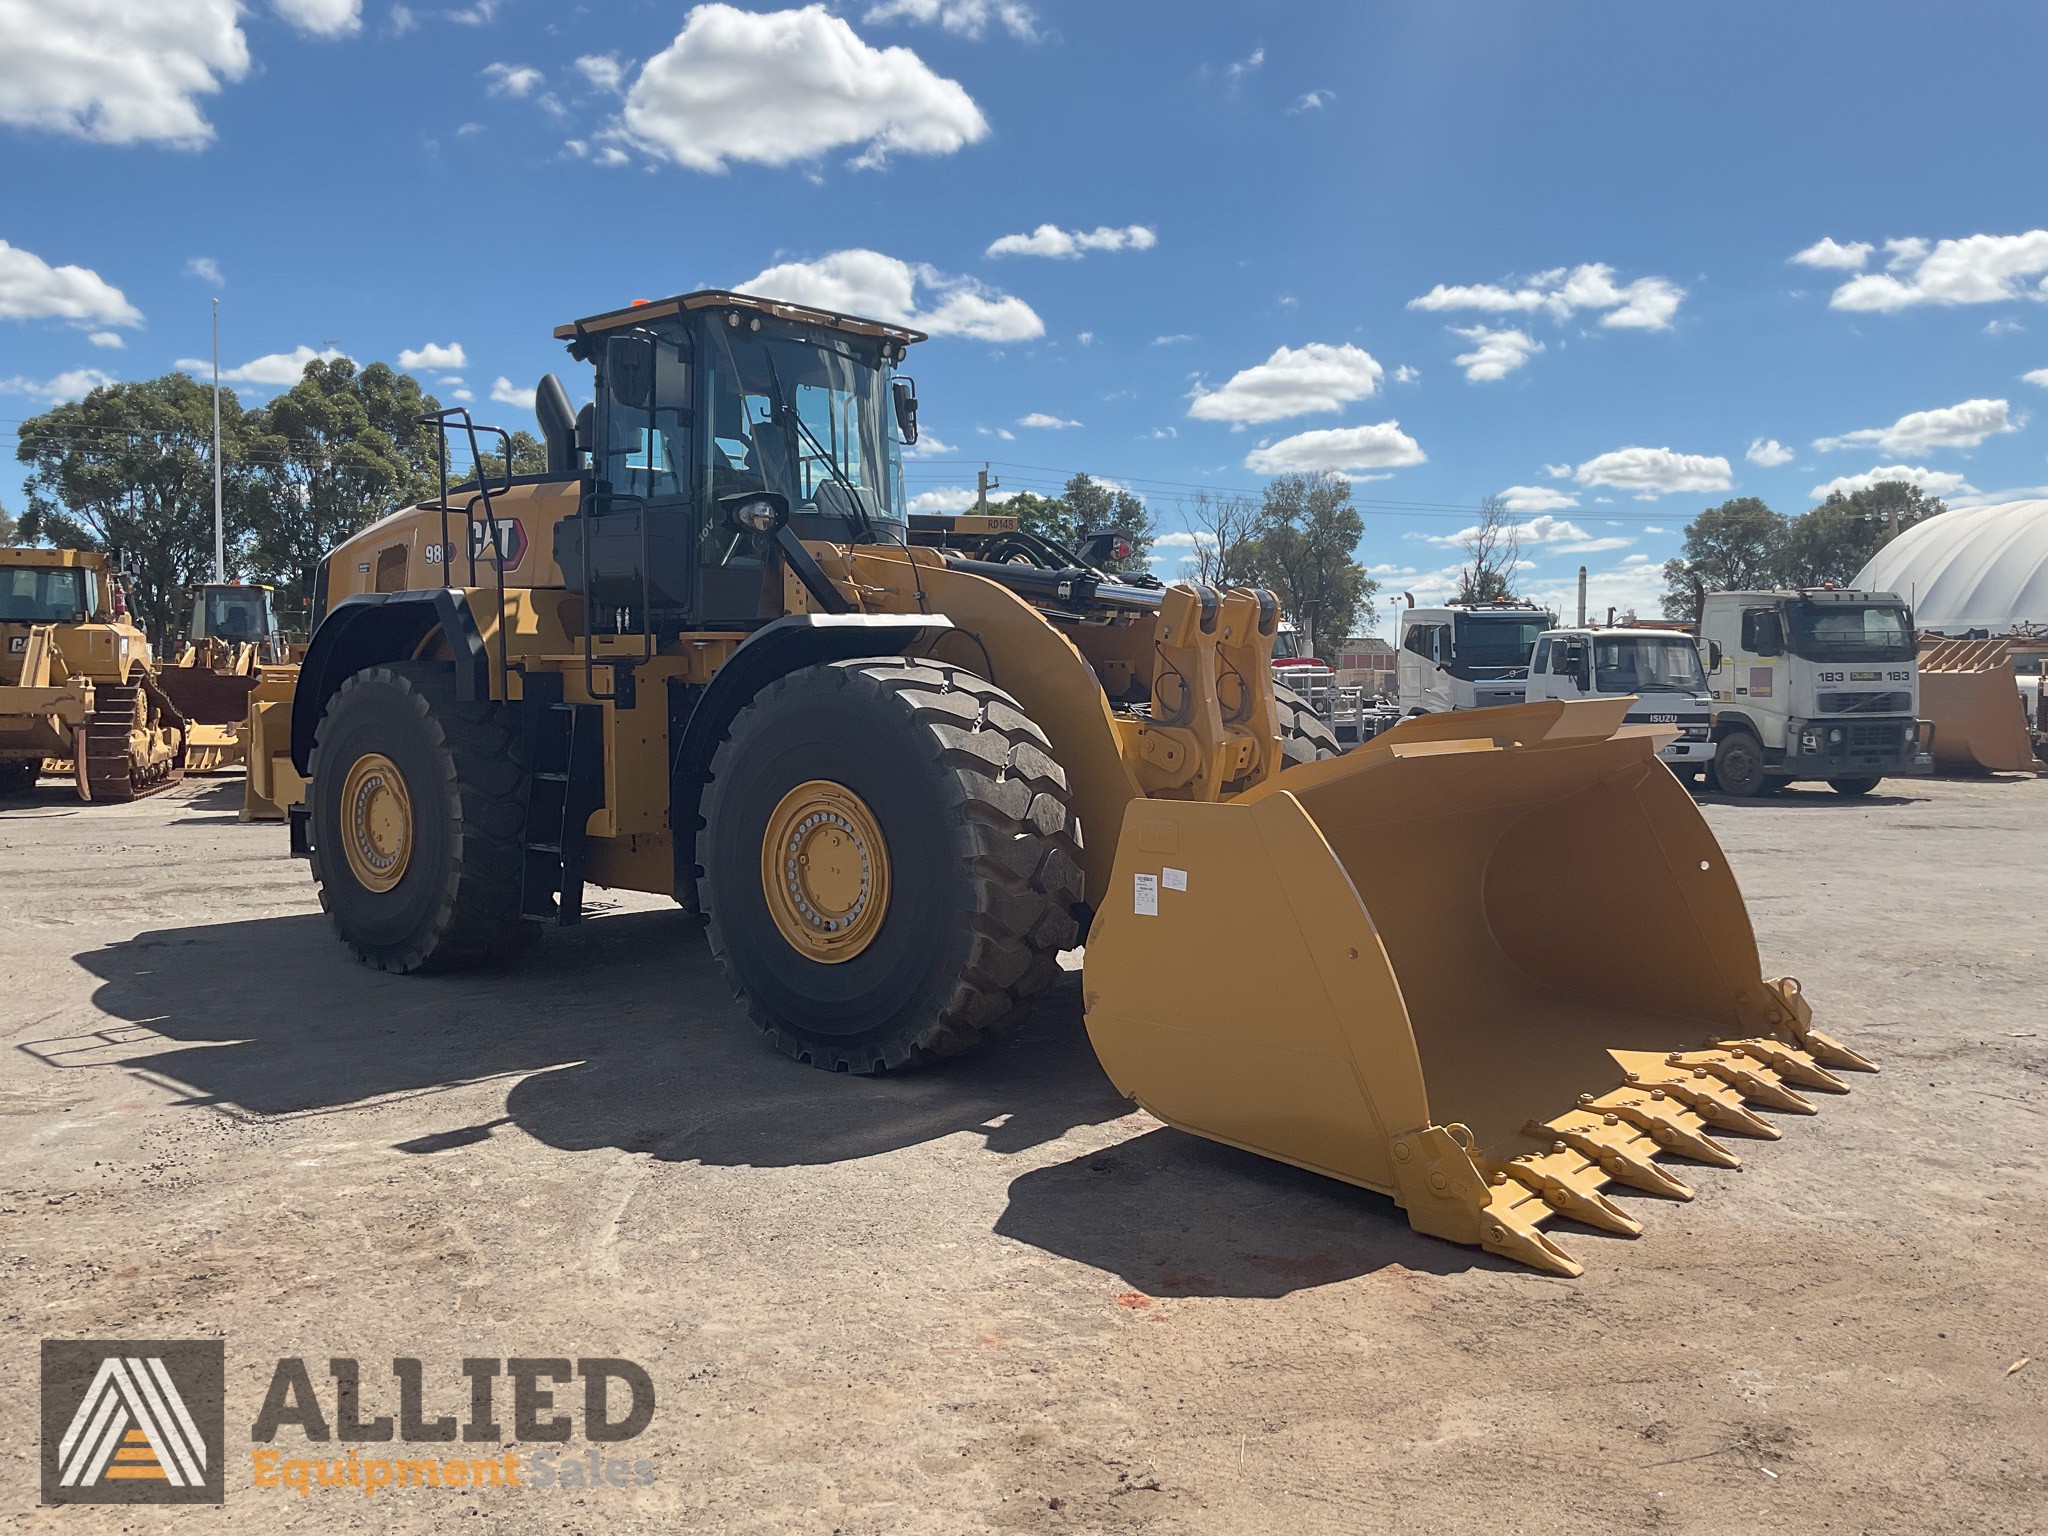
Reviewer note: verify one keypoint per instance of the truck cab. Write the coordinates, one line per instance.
(1660, 668)
(1466, 655)
(1813, 683)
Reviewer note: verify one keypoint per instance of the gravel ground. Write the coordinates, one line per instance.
(992, 1296)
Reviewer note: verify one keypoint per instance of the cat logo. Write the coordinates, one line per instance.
(16, 644)
(133, 1421)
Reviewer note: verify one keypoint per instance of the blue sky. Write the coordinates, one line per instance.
(1454, 248)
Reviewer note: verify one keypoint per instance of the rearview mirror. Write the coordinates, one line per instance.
(1713, 655)
(904, 389)
(629, 369)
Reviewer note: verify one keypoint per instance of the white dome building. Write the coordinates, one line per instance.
(1983, 568)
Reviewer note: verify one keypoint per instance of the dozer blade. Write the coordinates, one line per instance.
(1488, 964)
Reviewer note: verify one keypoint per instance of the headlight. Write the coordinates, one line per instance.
(760, 514)
(1809, 741)
(1835, 737)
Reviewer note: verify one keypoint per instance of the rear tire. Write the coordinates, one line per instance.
(975, 850)
(1305, 737)
(1739, 766)
(1855, 788)
(454, 899)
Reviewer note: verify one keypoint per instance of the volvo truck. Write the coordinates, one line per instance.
(1814, 683)
(1466, 655)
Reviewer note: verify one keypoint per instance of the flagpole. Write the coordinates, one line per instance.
(220, 572)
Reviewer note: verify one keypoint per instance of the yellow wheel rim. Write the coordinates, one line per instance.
(825, 871)
(376, 822)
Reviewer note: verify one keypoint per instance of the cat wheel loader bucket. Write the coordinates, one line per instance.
(273, 786)
(215, 703)
(1967, 689)
(1365, 967)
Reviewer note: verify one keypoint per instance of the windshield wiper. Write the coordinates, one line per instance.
(783, 407)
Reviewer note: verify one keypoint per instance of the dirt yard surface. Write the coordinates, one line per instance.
(992, 1297)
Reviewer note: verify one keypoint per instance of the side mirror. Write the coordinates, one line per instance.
(1099, 549)
(629, 370)
(1713, 655)
(904, 389)
(755, 511)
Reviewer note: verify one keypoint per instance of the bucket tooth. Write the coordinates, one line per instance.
(1704, 1094)
(1753, 1080)
(1568, 1183)
(1622, 1151)
(1790, 1063)
(1674, 1127)
(1508, 1229)
(1790, 1009)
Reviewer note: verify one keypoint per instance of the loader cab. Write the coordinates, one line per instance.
(236, 614)
(724, 429)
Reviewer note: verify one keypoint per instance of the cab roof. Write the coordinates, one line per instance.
(721, 298)
(91, 559)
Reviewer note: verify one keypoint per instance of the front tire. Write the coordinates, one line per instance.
(418, 805)
(1739, 766)
(1855, 789)
(890, 865)
(1305, 737)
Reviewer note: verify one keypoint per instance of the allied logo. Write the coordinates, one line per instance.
(133, 1421)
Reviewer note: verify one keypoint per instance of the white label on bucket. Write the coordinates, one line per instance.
(1146, 897)
(1174, 879)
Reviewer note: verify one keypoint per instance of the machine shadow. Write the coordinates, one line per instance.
(620, 1033)
(1175, 1215)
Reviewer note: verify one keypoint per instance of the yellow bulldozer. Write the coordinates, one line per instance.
(899, 764)
(232, 634)
(78, 681)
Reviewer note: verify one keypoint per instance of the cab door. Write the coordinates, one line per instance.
(642, 505)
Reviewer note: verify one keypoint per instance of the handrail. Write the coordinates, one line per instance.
(457, 415)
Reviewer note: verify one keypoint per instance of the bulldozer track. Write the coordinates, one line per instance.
(109, 767)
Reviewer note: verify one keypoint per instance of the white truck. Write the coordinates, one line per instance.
(1466, 655)
(1660, 667)
(1817, 683)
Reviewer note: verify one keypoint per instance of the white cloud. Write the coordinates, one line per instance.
(1346, 449)
(1163, 433)
(207, 270)
(118, 73)
(603, 70)
(1653, 528)
(1934, 482)
(1250, 63)
(954, 498)
(464, 395)
(480, 14)
(1536, 498)
(968, 18)
(1494, 354)
(2038, 376)
(277, 370)
(1174, 340)
(789, 85)
(32, 289)
(1051, 240)
(505, 392)
(1952, 426)
(1768, 452)
(435, 355)
(1045, 420)
(403, 20)
(1558, 534)
(74, 385)
(1313, 101)
(322, 18)
(880, 287)
(1294, 381)
(1651, 472)
(928, 446)
(1978, 269)
(1647, 304)
(2002, 327)
(106, 339)
(1826, 254)
(513, 79)
(1406, 375)
(1558, 471)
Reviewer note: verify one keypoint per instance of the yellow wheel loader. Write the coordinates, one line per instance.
(77, 681)
(899, 764)
(232, 634)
